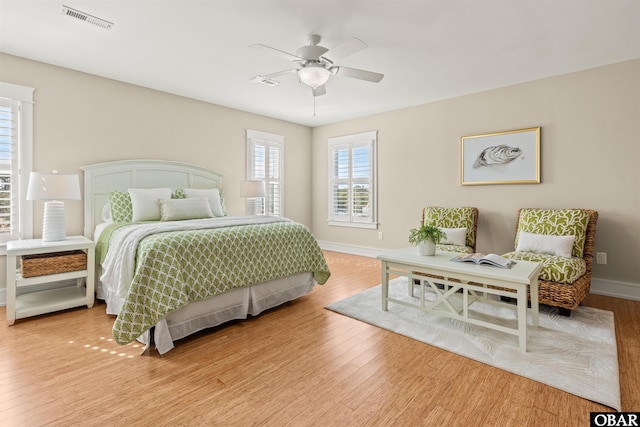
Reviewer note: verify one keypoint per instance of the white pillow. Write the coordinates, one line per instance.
(179, 209)
(106, 212)
(455, 236)
(144, 202)
(545, 244)
(211, 194)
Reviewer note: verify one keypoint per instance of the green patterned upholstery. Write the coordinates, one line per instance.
(121, 207)
(454, 248)
(556, 222)
(554, 268)
(454, 218)
(564, 282)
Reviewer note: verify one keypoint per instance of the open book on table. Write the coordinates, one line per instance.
(490, 259)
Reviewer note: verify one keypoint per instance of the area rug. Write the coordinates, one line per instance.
(576, 354)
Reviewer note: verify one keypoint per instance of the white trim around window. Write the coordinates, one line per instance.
(265, 162)
(21, 98)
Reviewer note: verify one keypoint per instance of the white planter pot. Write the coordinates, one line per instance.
(427, 248)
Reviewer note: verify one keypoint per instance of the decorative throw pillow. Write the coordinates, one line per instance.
(144, 202)
(545, 244)
(211, 194)
(557, 222)
(455, 236)
(181, 209)
(121, 208)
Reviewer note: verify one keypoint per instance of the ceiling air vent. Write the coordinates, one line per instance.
(264, 81)
(85, 17)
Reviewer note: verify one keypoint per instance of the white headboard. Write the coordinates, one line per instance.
(101, 178)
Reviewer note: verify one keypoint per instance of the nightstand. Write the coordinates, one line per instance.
(47, 301)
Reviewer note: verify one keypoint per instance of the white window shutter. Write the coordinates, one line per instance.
(352, 176)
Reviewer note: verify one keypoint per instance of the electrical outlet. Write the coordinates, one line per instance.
(380, 235)
(601, 257)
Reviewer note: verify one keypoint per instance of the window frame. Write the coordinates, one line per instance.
(268, 140)
(351, 142)
(21, 169)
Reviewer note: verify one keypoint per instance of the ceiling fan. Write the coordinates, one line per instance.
(316, 64)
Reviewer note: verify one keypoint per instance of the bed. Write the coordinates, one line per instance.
(193, 267)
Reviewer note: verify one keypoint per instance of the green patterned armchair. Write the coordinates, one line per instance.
(452, 221)
(460, 225)
(563, 241)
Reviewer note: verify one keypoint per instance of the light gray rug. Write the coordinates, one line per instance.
(577, 354)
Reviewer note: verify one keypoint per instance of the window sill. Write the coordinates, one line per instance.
(368, 225)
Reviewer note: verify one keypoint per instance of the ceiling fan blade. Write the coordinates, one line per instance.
(355, 73)
(281, 53)
(319, 91)
(344, 49)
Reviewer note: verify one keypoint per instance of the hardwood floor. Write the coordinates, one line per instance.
(295, 365)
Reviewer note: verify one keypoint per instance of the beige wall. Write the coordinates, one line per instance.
(81, 119)
(590, 149)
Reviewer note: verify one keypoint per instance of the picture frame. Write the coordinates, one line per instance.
(508, 157)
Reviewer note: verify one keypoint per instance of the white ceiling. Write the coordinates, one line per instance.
(428, 50)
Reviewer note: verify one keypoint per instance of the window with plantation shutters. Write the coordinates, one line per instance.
(265, 155)
(352, 180)
(16, 112)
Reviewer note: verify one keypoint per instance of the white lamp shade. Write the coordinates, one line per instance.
(314, 75)
(252, 188)
(53, 186)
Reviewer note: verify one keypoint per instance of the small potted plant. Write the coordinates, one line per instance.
(426, 238)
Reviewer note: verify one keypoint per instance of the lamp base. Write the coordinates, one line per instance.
(53, 228)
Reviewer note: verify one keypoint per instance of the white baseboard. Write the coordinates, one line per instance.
(351, 249)
(614, 288)
(611, 288)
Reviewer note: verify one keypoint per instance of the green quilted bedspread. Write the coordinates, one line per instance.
(179, 267)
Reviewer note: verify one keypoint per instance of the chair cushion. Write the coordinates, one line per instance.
(556, 222)
(554, 268)
(454, 248)
(452, 218)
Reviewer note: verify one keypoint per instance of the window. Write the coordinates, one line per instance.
(352, 180)
(16, 134)
(265, 161)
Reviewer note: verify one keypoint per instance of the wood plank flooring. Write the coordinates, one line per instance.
(295, 365)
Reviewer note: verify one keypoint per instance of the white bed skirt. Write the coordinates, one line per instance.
(232, 305)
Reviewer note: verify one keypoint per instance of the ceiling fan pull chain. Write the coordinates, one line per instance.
(314, 106)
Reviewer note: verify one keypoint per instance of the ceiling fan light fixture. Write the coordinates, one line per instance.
(314, 75)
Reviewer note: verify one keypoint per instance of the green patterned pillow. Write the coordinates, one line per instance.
(556, 222)
(554, 268)
(121, 207)
(178, 194)
(452, 218)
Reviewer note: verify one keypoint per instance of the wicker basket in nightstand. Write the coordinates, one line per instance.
(53, 263)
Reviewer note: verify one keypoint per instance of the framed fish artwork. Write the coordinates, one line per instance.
(509, 157)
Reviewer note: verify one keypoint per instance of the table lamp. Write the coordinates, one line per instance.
(251, 190)
(53, 188)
